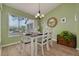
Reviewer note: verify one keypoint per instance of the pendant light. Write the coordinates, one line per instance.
(39, 15)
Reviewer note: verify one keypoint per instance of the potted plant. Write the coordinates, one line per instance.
(67, 38)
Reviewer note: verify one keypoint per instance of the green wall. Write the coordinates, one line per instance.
(0, 24)
(4, 23)
(68, 11)
(77, 13)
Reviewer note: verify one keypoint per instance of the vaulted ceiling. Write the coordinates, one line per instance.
(33, 8)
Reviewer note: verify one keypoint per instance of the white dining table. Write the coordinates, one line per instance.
(34, 39)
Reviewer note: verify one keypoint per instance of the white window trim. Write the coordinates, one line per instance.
(14, 35)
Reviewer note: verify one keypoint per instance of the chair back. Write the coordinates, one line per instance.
(44, 37)
(25, 38)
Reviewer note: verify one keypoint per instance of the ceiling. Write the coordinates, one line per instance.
(32, 8)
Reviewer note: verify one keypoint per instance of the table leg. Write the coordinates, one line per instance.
(32, 47)
(36, 47)
(47, 45)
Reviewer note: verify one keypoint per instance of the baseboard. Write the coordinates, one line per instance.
(77, 48)
(10, 44)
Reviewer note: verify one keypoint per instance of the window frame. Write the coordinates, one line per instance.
(17, 34)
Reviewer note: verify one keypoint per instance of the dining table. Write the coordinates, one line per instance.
(34, 37)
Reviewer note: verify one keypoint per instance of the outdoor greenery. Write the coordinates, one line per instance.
(22, 28)
(15, 29)
(40, 26)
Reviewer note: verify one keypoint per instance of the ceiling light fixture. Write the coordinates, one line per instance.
(39, 15)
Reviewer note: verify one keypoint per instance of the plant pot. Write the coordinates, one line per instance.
(69, 43)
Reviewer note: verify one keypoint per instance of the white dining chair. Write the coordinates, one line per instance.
(43, 40)
(50, 35)
(50, 38)
(22, 44)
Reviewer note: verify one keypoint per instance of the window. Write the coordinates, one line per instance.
(22, 24)
(13, 25)
(30, 27)
(19, 24)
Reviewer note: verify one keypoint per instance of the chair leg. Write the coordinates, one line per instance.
(47, 45)
(42, 50)
(51, 43)
(23, 51)
(32, 47)
(22, 48)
